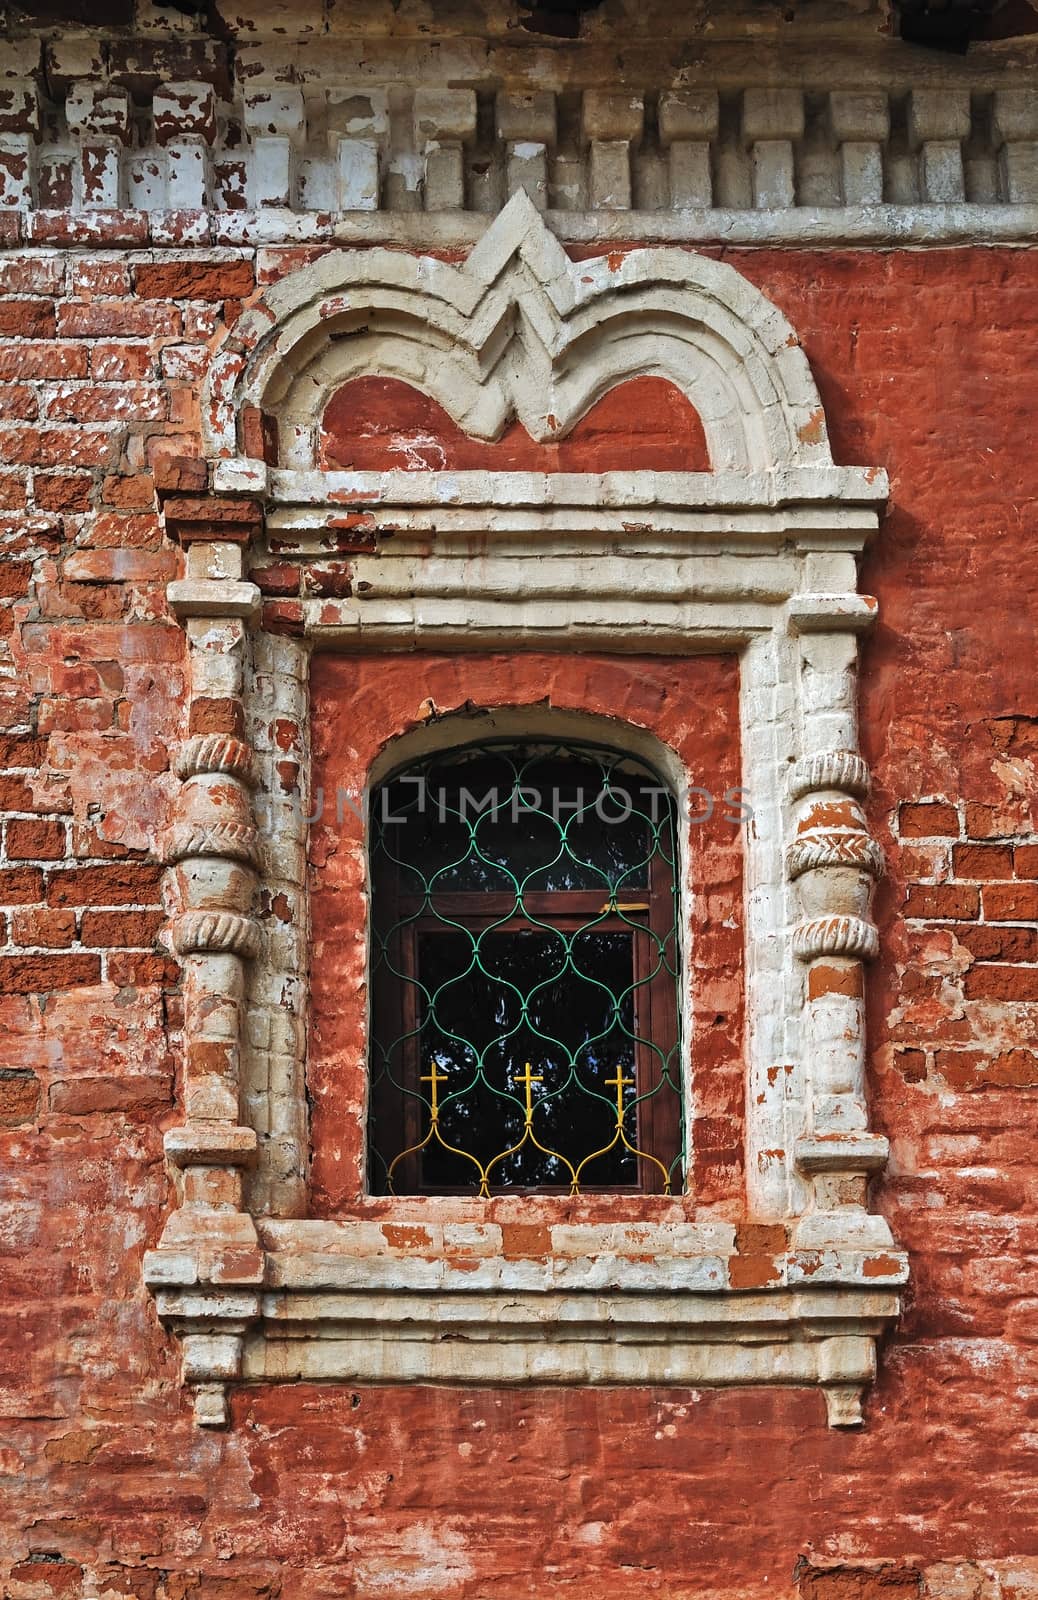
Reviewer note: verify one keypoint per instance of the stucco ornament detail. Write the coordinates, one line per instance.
(757, 557)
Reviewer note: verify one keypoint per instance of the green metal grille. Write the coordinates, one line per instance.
(525, 1019)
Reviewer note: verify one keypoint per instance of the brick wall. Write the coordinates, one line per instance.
(924, 363)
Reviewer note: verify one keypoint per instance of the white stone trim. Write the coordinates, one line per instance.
(584, 326)
(328, 161)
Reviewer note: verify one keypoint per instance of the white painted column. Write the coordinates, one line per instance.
(274, 1092)
(775, 1088)
(210, 1242)
(834, 863)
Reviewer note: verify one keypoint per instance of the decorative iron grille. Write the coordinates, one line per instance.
(525, 1012)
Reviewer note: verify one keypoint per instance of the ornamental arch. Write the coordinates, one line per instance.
(753, 562)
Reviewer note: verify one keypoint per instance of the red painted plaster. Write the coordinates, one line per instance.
(924, 361)
(378, 424)
(359, 705)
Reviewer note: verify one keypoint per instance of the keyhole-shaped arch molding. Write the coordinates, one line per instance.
(519, 330)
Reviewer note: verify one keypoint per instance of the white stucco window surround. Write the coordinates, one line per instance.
(756, 557)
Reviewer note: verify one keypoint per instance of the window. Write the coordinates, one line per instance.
(525, 1021)
(479, 584)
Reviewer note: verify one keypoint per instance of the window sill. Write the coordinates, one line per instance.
(690, 1304)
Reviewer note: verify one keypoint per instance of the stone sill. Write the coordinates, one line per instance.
(600, 1323)
(579, 1258)
(486, 1303)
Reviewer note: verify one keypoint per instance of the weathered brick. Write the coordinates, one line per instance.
(194, 280)
(1011, 902)
(129, 493)
(57, 447)
(990, 943)
(107, 278)
(15, 577)
(19, 750)
(118, 530)
(942, 900)
(121, 929)
(967, 1070)
(283, 616)
(880, 1580)
(32, 974)
(42, 361)
(74, 229)
(34, 840)
(1025, 860)
(138, 971)
(929, 819)
(1002, 983)
(19, 1097)
(121, 884)
(18, 402)
(20, 886)
(109, 403)
(114, 319)
(86, 1097)
(32, 534)
(64, 491)
(121, 566)
(278, 579)
(39, 927)
(13, 490)
(217, 716)
(26, 319)
(122, 362)
(15, 794)
(32, 275)
(981, 861)
(174, 469)
(49, 1575)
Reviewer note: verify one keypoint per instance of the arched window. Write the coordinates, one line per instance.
(525, 1016)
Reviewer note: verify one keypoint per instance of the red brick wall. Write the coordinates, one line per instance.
(925, 366)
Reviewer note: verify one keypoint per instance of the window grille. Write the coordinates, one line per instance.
(525, 1013)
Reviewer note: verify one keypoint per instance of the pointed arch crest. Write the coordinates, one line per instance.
(520, 331)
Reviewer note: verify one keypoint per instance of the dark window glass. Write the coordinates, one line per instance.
(524, 974)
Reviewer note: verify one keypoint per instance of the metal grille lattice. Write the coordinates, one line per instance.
(524, 974)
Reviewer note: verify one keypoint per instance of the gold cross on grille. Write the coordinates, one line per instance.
(620, 1083)
(528, 1080)
(434, 1079)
